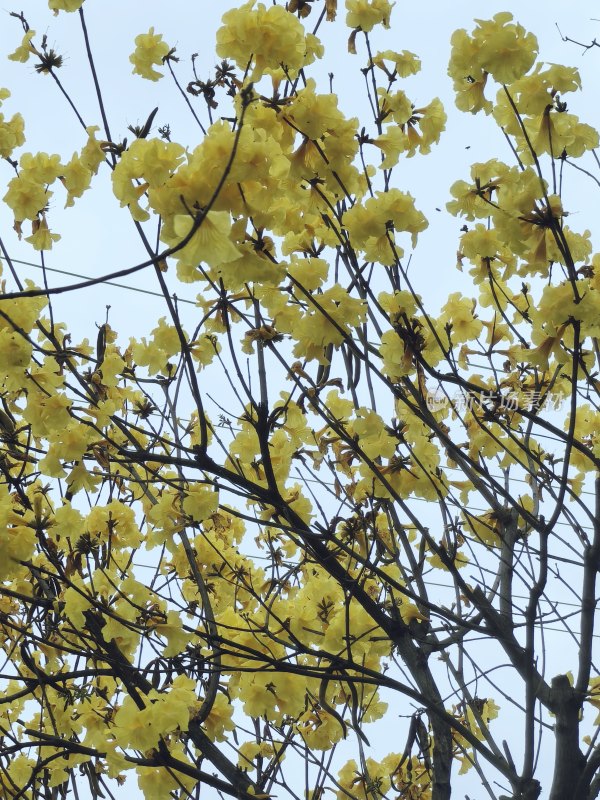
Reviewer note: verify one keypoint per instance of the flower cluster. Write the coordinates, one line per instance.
(498, 47)
(12, 131)
(149, 53)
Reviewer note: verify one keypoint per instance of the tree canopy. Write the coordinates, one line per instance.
(310, 536)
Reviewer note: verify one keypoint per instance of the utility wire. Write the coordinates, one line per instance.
(87, 277)
(192, 302)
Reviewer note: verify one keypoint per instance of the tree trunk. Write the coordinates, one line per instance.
(568, 782)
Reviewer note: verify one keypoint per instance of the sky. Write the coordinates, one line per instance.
(98, 236)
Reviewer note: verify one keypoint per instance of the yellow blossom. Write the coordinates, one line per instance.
(200, 502)
(26, 197)
(417, 129)
(459, 314)
(147, 163)
(40, 168)
(365, 14)
(76, 178)
(405, 63)
(150, 51)
(162, 346)
(25, 49)
(371, 225)
(41, 237)
(210, 243)
(506, 49)
(65, 5)
(92, 154)
(594, 696)
(11, 131)
(497, 47)
(219, 721)
(271, 37)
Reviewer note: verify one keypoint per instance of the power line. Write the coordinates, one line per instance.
(87, 278)
(192, 302)
(179, 299)
(552, 603)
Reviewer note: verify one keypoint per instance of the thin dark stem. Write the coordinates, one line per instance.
(95, 79)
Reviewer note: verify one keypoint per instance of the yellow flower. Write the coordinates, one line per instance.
(555, 133)
(310, 273)
(47, 413)
(405, 63)
(459, 313)
(399, 303)
(320, 731)
(26, 198)
(11, 131)
(410, 612)
(165, 518)
(80, 478)
(40, 168)
(65, 5)
(481, 242)
(200, 502)
(432, 121)
(172, 630)
(210, 243)
(369, 430)
(23, 312)
(497, 47)
(17, 543)
(17, 773)
(67, 522)
(115, 524)
(483, 528)
(271, 37)
(157, 783)
(365, 14)
(397, 106)
(25, 49)
(147, 163)
(220, 719)
(152, 159)
(156, 353)
(314, 114)
(371, 225)
(336, 315)
(470, 96)
(397, 358)
(204, 349)
(150, 51)
(92, 154)
(406, 137)
(76, 178)
(15, 353)
(41, 237)
(138, 728)
(594, 696)
(506, 50)
(74, 440)
(460, 560)
(535, 92)
(314, 49)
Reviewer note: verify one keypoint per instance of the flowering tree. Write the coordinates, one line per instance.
(240, 549)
